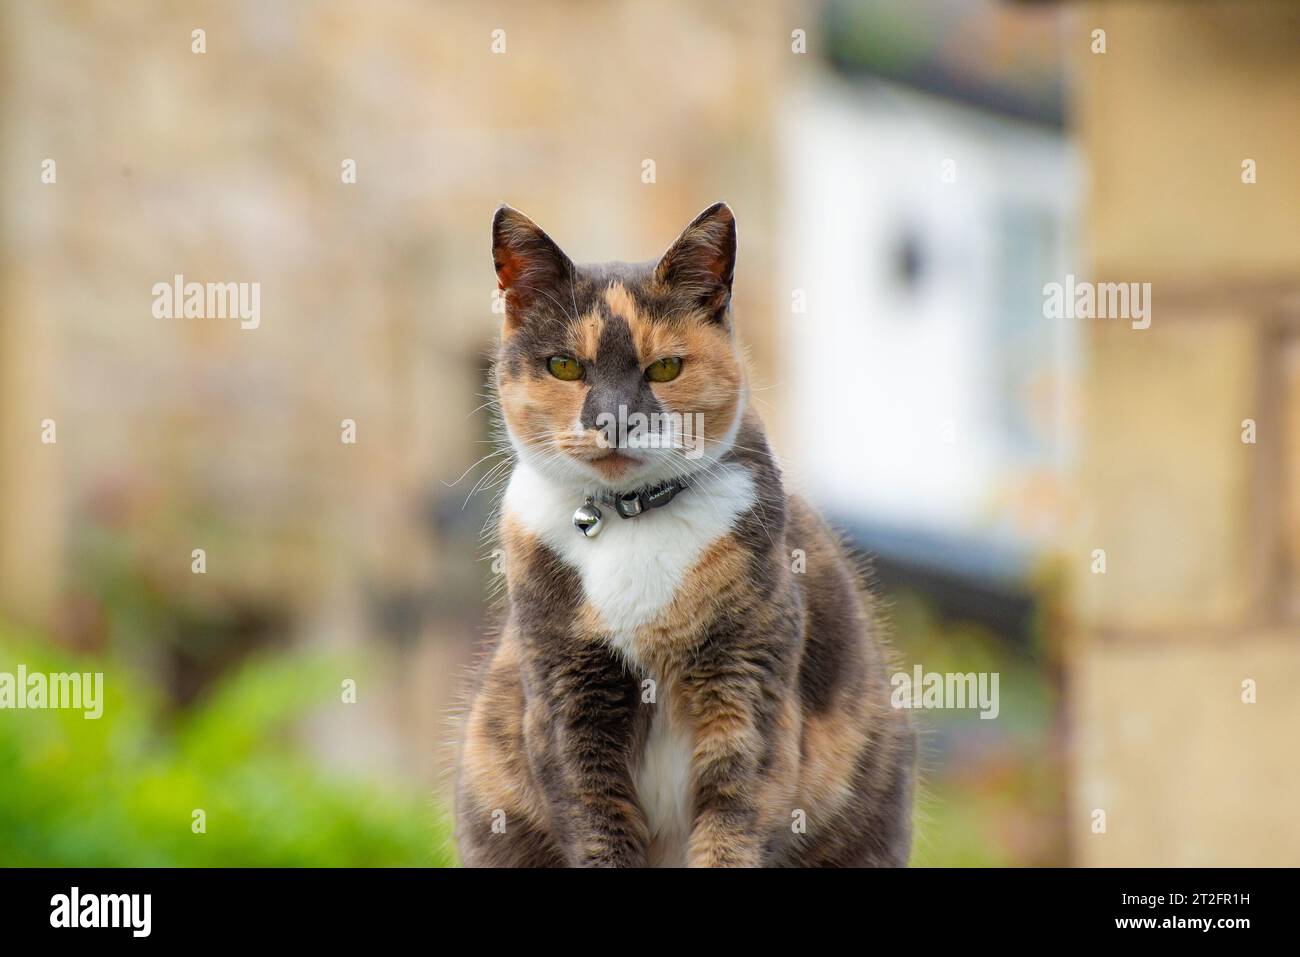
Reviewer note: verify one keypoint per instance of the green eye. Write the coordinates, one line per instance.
(565, 367)
(664, 370)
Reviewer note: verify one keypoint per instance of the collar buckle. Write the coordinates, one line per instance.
(629, 504)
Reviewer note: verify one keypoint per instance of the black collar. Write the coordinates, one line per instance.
(632, 504)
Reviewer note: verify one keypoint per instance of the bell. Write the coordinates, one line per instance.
(587, 519)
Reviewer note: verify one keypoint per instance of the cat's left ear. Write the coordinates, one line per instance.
(528, 262)
(699, 265)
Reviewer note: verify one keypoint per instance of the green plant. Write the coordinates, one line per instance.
(121, 790)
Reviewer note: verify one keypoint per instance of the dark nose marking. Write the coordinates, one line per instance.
(615, 377)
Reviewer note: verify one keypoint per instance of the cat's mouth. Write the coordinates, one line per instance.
(613, 463)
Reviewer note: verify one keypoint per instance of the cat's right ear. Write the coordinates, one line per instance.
(529, 264)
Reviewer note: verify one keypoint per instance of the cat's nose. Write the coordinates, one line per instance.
(608, 404)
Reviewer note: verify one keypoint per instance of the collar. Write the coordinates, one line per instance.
(587, 518)
(631, 504)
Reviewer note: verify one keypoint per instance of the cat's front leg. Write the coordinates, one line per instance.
(725, 767)
(582, 747)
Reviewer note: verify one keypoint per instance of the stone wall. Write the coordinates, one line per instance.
(376, 296)
(1200, 591)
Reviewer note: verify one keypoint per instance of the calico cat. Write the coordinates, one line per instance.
(688, 671)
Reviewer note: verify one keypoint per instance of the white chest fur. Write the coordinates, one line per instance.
(630, 573)
(633, 568)
(663, 789)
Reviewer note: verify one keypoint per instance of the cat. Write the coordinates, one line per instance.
(688, 671)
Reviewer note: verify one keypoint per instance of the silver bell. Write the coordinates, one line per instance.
(587, 519)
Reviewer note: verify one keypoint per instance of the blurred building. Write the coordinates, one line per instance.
(930, 191)
(1198, 524)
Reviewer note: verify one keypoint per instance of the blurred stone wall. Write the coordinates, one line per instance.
(376, 297)
(1201, 590)
(376, 304)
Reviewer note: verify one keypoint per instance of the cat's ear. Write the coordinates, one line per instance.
(699, 265)
(527, 261)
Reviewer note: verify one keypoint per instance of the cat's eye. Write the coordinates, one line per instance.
(565, 367)
(664, 370)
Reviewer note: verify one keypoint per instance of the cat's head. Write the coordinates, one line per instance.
(618, 375)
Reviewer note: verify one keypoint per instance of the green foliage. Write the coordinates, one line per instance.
(991, 792)
(120, 790)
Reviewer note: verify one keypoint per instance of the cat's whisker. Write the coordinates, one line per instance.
(480, 483)
(474, 466)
